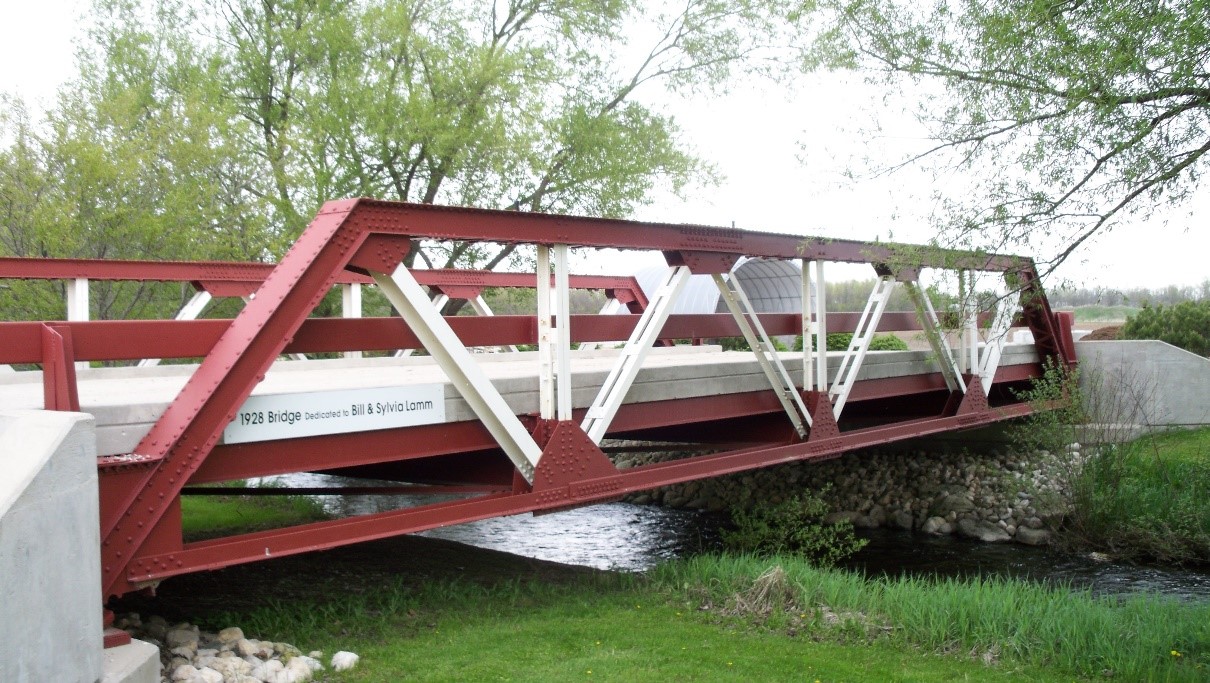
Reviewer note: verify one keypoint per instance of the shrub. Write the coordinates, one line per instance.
(741, 344)
(793, 526)
(1186, 325)
(839, 341)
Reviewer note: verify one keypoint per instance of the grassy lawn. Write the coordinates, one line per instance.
(707, 619)
(212, 516)
(418, 609)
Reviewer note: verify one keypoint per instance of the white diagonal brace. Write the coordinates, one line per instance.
(435, 334)
(437, 303)
(762, 347)
(932, 332)
(867, 325)
(189, 311)
(613, 391)
(1006, 310)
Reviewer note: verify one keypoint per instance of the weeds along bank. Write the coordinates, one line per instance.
(1000, 496)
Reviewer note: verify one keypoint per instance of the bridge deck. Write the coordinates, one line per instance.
(126, 402)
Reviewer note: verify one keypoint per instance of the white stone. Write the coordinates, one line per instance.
(208, 675)
(230, 635)
(185, 672)
(230, 667)
(247, 647)
(310, 661)
(302, 671)
(342, 661)
(268, 669)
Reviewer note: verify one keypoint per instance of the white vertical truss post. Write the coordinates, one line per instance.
(554, 341)
(562, 333)
(971, 326)
(867, 325)
(481, 308)
(413, 304)
(762, 347)
(438, 302)
(350, 307)
(190, 311)
(77, 306)
(630, 361)
(932, 332)
(808, 326)
(1006, 310)
(546, 334)
(819, 335)
(611, 307)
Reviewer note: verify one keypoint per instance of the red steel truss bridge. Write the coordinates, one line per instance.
(508, 432)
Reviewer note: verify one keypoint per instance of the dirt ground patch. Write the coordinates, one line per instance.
(1110, 333)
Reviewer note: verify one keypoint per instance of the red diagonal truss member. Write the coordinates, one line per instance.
(140, 533)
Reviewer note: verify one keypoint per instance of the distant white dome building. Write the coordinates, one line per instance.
(772, 287)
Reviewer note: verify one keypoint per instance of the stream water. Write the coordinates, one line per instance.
(631, 537)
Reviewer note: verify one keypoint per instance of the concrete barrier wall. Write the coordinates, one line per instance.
(1145, 383)
(50, 575)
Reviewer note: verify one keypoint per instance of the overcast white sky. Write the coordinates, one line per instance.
(783, 156)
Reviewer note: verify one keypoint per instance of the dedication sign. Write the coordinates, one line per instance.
(289, 416)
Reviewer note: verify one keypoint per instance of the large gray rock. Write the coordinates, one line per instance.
(982, 530)
(937, 526)
(954, 502)
(1030, 536)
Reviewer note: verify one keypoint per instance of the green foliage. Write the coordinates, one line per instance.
(741, 344)
(1146, 498)
(1139, 500)
(1058, 407)
(793, 526)
(887, 342)
(200, 130)
(1185, 325)
(1064, 116)
(839, 341)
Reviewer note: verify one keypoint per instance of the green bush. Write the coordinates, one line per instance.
(1186, 325)
(839, 341)
(793, 526)
(887, 342)
(741, 344)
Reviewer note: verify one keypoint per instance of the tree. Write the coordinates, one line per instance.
(1067, 115)
(264, 109)
(135, 161)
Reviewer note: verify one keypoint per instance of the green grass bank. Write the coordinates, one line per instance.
(705, 619)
